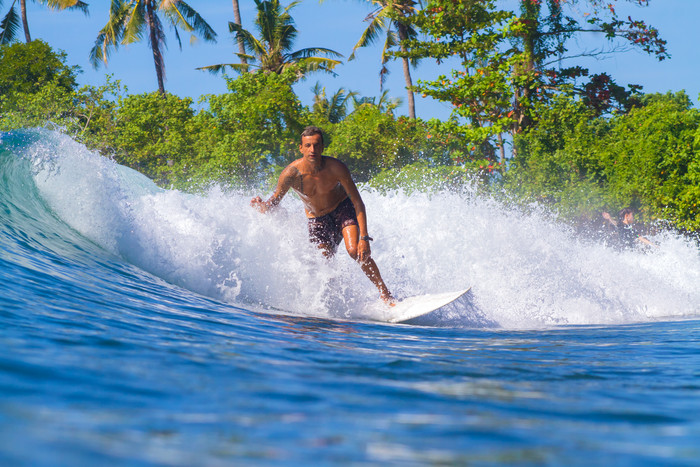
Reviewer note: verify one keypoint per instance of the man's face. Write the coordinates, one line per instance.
(311, 148)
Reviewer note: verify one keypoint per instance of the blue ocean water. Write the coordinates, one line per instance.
(150, 327)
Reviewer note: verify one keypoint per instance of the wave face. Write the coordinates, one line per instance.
(65, 205)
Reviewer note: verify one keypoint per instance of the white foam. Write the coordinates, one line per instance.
(525, 270)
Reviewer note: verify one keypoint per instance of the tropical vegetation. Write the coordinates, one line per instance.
(527, 120)
(10, 25)
(130, 19)
(391, 19)
(272, 49)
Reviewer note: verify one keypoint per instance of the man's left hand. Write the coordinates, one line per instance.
(363, 250)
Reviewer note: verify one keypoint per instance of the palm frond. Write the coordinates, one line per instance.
(249, 40)
(82, 6)
(312, 64)
(383, 73)
(100, 51)
(312, 51)
(338, 105)
(214, 69)
(319, 91)
(10, 26)
(376, 28)
(388, 104)
(66, 5)
(110, 36)
(180, 14)
(176, 31)
(274, 40)
(392, 40)
(239, 67)
(134, 22)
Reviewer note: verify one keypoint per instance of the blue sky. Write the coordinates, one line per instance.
(337, 24)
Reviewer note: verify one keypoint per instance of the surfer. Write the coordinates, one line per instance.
(624, 225)
(333, 205)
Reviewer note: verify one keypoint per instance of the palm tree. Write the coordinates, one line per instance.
(11, 22)
(130, 19)
(384, 19)
(386, 104)
(334, 109)
(272, 50)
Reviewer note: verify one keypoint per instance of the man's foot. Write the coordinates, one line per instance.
(388, 299)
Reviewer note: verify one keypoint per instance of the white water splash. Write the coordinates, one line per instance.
(525, 270)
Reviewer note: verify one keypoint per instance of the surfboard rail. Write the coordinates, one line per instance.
(420, 305)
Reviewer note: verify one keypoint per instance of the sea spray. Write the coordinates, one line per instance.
(526, 270)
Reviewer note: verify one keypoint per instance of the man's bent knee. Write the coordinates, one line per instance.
(326, 249)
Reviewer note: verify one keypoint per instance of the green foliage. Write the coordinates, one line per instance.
(154, 134)
(130, 20)
(36, 85)
(652, 156)
(573, 157)
(582, 164)
(370, 140)
(480, 91)
(12, 23)
(272, 49)
(246, 132)
(556, 156)
(391, 19)
(511, 61)
(543, 33)
(333, 109)
(26, 68)
(93, 119)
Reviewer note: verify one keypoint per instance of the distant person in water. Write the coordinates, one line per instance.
(624, 226)
(333, 205)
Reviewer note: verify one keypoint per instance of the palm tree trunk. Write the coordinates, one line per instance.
(25, 24)
(157, 55)
(237, 19)
(403, 36)
(409, 85)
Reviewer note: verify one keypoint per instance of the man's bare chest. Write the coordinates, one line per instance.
(311, 185)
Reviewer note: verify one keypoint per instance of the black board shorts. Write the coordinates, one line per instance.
(328, 229)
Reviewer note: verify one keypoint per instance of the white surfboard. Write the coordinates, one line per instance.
(413, 307)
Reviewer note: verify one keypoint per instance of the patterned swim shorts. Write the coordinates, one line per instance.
(328, 229)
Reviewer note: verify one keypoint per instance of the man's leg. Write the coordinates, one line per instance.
(351, 236)
(327, 250)
(321, 231)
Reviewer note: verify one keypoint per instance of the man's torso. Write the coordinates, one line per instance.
(320, 191)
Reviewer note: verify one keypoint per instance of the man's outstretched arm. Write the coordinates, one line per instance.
(283, 185)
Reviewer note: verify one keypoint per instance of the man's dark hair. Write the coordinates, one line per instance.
(624, 213)
(312, 130)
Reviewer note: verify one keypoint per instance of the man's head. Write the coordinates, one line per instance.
(626, 216)
(312, 130)
(311, 146)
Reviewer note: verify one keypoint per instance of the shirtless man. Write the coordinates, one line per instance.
(332, 203)
(628, 236)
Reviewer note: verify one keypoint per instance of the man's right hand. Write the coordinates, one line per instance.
(259, 204)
